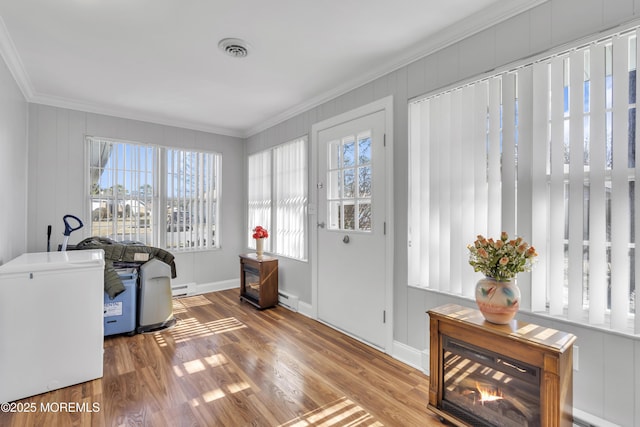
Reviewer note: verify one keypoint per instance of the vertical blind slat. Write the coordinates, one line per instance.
(414, 251)
(556, 205)
(467, 170)
(479, 151)
(455, 195)
(540, 191)
(445, 189)
(509, 154)
(434, 193)
(620, 187)
(576, 184)
(524, 157)
(597, 196)
(495, 211)
(424, 194)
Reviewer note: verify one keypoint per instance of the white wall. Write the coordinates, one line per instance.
(607, 384)
(13, 167)
(56, 182)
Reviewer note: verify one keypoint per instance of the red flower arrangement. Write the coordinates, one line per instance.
(260, 233)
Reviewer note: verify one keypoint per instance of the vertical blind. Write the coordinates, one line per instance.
(290, 170)
(159, 196)
(121, 190)
(259, 196)
(546, 152)
(277, 198)
(192, 200)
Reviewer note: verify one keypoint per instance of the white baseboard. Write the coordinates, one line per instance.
(203, 288)
(306, 309)
(410, 356)
(581, 418)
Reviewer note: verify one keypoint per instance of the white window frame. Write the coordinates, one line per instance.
(277, 188)
(179, 231)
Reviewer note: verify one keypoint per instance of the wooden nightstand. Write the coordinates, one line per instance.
(259, 280)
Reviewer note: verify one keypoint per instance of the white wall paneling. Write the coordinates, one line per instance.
(13, 167)
(56, 182)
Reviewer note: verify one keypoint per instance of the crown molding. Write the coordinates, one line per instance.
(11, 57)
(132, 115)
(14, 63)
(453, 34)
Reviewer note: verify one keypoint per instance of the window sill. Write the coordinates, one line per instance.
(547, 317)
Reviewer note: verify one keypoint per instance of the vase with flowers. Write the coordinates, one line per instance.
(500, 260)
(260, 233)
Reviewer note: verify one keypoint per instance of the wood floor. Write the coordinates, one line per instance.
(227, 364)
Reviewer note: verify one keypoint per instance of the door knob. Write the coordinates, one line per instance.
(345, 239)
(321, 224)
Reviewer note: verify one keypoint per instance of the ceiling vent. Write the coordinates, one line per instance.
(234, 47)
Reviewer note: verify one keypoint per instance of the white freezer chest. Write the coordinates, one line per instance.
(51, 322)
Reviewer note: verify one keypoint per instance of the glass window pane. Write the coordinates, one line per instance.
(334, 215)
(364, 181)
(349, 217)
(587, 148)
(632, 87)
(609, 91)
(333, 186)
(632, 137)
(349, 183)
(364, 150)
(587, 96)
(609, 141)
(364, 216)
(348, 152)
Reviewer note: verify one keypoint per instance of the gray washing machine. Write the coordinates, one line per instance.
(155, 301)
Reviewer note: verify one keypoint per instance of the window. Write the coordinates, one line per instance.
(547, 152)
(349, 183)
(277, 198)
(158, 196)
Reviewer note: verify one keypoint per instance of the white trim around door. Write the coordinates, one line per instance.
(386, 105)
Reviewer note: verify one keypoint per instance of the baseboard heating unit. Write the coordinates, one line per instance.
(288, 301)
(183, 290)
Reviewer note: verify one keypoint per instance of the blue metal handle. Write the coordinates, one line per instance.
(67, 228)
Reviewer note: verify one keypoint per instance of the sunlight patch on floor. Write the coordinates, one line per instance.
(199, 365)
(189, 328)
(225, 325)
(342, 412)
(193, 301)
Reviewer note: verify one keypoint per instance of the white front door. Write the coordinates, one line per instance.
(351, 228)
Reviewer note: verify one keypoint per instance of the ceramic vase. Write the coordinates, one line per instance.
(259, 247)
(498, 301)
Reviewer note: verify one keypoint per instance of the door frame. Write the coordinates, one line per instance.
(386, 105)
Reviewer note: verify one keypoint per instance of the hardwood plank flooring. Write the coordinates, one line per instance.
(227, 364)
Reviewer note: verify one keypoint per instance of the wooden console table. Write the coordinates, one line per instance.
(549, 352)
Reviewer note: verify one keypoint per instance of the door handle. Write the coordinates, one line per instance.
(321, 224)
(345, 239)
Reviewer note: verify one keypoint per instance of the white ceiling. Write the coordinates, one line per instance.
(158, 60)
